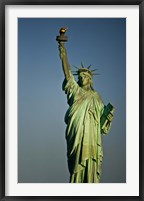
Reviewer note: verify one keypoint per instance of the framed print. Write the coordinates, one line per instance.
(104, 39)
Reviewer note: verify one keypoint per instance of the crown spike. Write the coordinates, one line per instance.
(94, 70)
(75, 67)
(96, 74)
(82, 65)
(89, 66)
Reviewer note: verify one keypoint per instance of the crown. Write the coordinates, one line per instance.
(83, 69)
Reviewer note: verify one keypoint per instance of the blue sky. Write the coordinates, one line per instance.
(42, 104)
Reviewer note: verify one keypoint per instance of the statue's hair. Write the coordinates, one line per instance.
(91, 84)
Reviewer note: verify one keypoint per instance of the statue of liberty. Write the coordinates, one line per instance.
(86, 118)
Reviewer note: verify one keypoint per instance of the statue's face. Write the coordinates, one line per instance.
(84, 79)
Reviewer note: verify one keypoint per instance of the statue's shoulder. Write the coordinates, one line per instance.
(97, 95)
(70, 83)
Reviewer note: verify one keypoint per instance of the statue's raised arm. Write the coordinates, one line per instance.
(63, 53)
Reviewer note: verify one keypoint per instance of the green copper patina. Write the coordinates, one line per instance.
(86, 118)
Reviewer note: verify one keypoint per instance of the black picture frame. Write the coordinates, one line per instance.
(3, 3)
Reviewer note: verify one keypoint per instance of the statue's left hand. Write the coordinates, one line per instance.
(110, 116)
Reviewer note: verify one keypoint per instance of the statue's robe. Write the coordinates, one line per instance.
(83, 133)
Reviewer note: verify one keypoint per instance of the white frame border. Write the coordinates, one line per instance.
(131, 13)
